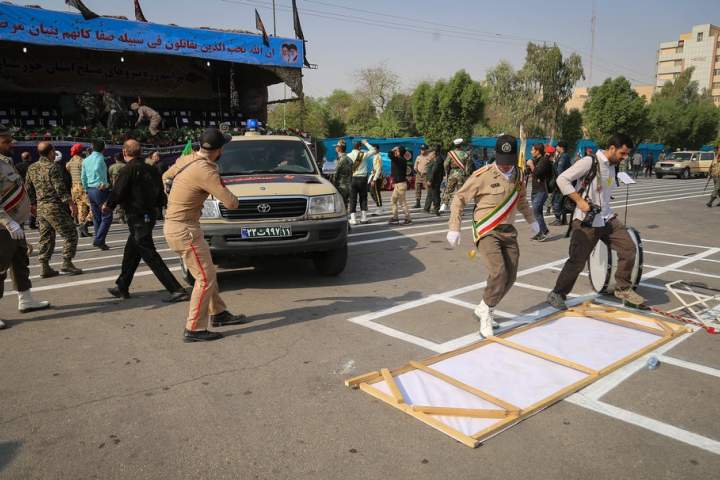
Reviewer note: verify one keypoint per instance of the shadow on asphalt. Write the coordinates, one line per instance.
(305, 313)
(8, 451)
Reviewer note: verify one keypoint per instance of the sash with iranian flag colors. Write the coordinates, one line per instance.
(12, 197)
(497, 216)
(457, 163)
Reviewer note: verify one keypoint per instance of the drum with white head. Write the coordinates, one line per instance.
(602, 264)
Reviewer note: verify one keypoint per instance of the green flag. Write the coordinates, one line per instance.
(188, 148)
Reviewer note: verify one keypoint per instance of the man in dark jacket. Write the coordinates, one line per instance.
(139, 191)
(398, 171)
(539, 167)
(562, 163)
(435, 174)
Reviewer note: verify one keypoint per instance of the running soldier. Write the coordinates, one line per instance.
(146, 113)
(715, 175)
(496, 190)
(14, 212)
(46, 188)
(458, 166)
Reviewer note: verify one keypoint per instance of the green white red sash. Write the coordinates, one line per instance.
(497, 216)
(12, 198)
(456, 161)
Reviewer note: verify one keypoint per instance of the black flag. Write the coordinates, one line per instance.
(84, 11)
(261, 26)
(139, 16)
(296, 22)
(299, 33)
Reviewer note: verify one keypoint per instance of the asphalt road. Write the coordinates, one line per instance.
(101, 388)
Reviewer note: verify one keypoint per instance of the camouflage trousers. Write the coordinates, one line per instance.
(80, 199)
(420, 184)
(454, 183)
(715, 191)
(55, 218)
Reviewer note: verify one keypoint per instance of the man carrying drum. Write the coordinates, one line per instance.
(594, 220)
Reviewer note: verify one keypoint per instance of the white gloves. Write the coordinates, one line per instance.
(453, 238)
(535, 228)
(15, 230)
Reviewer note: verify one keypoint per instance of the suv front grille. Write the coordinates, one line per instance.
(279, 208)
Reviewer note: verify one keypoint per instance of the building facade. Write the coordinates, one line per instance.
(700, 49)
(580, 96)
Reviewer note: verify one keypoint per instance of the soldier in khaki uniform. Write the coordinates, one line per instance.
(497, 191)
(79, 196)
(47, 189)
(146, 113)
(421, 163)
(194, 177)
(715, 175)
(14, 212)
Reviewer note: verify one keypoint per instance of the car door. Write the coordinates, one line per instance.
(706, 159)
(695, 163)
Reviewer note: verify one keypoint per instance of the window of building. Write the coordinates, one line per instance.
(681, 43)
(700, 36)
(678, 63)
(716, 85)
(717, 71)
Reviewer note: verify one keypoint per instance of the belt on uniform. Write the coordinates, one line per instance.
(12, 198)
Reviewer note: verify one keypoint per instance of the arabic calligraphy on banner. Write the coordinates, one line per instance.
(45, 27)
(77, 71)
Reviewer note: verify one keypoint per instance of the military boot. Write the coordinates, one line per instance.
(70, 269)
(83, 230)
(47, 270)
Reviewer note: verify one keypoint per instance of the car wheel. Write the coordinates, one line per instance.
(685, 174)
(332, 262)
(658, 175)
(186, 275)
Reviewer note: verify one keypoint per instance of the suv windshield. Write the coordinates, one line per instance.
(265, 156)
(680, 156)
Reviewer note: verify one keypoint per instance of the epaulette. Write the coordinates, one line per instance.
(482, 170)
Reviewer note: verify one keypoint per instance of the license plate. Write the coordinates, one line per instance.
(281, 231)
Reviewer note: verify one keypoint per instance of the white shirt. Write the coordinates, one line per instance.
(507, 175)
(362, 170)
(598, 192)
(637, 159)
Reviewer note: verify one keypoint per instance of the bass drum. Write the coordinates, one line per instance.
(602, 264)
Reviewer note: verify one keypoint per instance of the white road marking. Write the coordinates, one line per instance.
(679, 256)
(677, 270)
(681, 263)
(677, 244)
(714, 372)
(647, 423)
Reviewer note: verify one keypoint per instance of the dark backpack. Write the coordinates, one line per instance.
(568, 204)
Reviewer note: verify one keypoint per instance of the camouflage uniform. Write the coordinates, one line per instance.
(79, 196)
(45, 185)
(88, 104)
(343, 176)
(456, 176)
(715, 175)
(114, 109)
(113, 173)
(14, 206)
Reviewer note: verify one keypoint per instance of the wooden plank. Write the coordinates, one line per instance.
(392, 385)
(498, 427)
(624, 323)
(425, 418)
(460, 412)
(468, 388)
(355, 381)
(544, 356)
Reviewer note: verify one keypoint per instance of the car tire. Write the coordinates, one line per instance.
(331, 263)
(186, 275)
(685, 174)
(658, 175)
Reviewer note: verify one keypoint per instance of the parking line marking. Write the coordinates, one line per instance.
(682, 263)
(647, 423)
(470, 306)
(690, 365)
(709, 275)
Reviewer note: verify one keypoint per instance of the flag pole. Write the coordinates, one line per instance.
(274, 21)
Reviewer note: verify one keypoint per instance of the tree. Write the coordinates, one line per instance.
(570, 127)
(681, 116)
(378, 84)
(614, 107)
(314, 118)
(397, 118)
(449, 110)
(533, 97)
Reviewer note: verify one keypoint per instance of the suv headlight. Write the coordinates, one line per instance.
(323, 205)
(211, 209)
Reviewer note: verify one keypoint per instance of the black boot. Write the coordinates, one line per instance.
(227, 318)
(47, 270)
(201, 336)
(417, 203)
(83, 230)
(70, 269)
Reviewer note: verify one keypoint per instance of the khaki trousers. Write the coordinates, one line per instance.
(420, 185)
(500, 254)
(80, 199)
(398, 199)
(188, 241)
